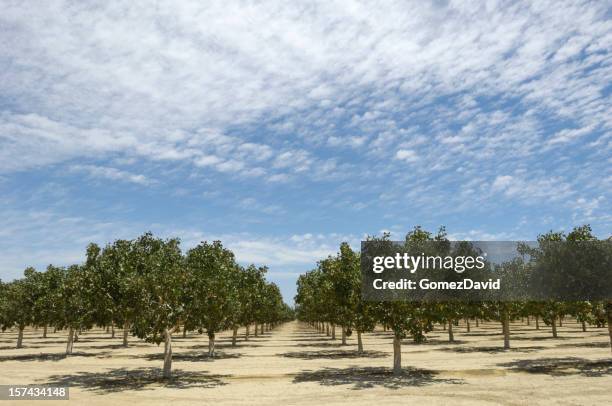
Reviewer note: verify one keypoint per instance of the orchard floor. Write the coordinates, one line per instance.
(294, 365)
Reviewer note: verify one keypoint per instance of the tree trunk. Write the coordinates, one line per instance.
(583, 326)
(234, 336)
(609, 311)
(126, 329)
(45, 332)
(444, 326)
(477, 323)
(560, 321)
(256, 330)
(327, 329)
(211, 345)
(246, 332)
(537, 319)
(554, 325)
(107, 329)
(527, 320)
(167, 354)
(397, 355)
(20, 337)
(262, 328)
(451, 336)
(333, 331)
(343, 335)
(506, 330)
(113, 330)
(70, 341)
(184, 332)
(467, 325)
(359, 342)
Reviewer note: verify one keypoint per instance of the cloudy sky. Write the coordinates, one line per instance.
(284, 128)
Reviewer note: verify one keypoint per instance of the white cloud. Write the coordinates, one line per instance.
(503, 103)
(482, 235)
(257, 151)
(502, 182)
(112, 174)
(360, 206)
(297, 160)
(300, 249)
(279, 178)
(252, 204)
(349, 141)
(406, 155)
(169, 82)
(532, 188)
(230, 166)
(569, 135)
(41, 237)
(207, 160)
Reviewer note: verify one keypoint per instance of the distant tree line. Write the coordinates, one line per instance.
(329, 298)
(149, 288)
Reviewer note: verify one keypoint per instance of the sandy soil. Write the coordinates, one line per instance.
(294, 365)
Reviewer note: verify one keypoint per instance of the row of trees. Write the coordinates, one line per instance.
(148, 286)
(330, 296)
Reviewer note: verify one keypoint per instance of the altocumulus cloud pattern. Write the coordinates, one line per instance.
(284, 128)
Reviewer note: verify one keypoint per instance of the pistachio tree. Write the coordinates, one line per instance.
(20, 299)
(212, 276)
(352, 311)
(159, 284)
(402, 317)
(259, 301)
(45, 306)
(117, 271)
(75, 300)
(3, 303)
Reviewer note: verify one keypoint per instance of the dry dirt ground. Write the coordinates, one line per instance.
(294, 365)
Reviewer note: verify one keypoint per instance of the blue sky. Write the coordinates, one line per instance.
(284, 129)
